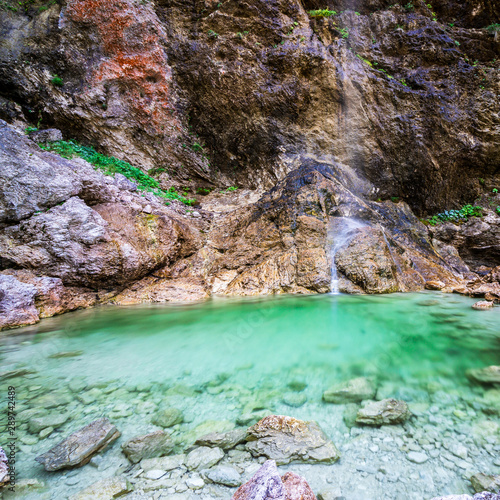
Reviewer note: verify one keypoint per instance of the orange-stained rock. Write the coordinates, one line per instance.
(434, 285)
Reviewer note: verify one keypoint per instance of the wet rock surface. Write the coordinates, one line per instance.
(77, 449)
(285, 439)
(156, 444)
(352, 391)
(387, 411)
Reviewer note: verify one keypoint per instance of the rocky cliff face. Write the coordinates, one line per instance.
(406, 95)
(320, 119)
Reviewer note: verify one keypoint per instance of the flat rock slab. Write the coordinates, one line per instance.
(286, 439)
(223, 474)
(352, 391)
(385, 412)
(203, 458)
(77, 449)
(482, 482)
(156, 444)
(224, 440)
(163, 463)
(107, 489)
(488, 375)
(267, 484)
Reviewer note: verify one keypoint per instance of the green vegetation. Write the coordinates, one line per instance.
(493, 28)
(322, 13)
(28, 130)
(57, 81)
(498, 210)
(409, 6)
(213, 34)
(344, 32)
(229, 189)
(461, 215)
(111, 165)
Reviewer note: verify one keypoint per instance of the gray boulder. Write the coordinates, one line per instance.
(483, 482)
(17, 303)
(352, 391)
(387, 411)
(45, 136)
(286, 439)
(488, 375)
(156, 444)
(77, 449)
(203, 458)
(168, 417)
(223, 474)
(224, 440)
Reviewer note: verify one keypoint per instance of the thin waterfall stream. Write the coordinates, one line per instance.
(342, 230)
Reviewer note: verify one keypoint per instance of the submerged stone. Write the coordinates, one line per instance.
(286, 439)
(168, 417)
(54, 420)
(77, 449)
(226, 440)
(155, 444)
(163, 463)
(106, 489)
(482, 482)
(351, 391)
(223, 474)
(203, 458)
(385, 412)
(294, 399)
(489, 375)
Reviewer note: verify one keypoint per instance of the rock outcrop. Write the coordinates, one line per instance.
(77, 449)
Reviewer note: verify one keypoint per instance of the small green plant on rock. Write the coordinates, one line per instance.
(57, 81)
(493, 28)
(456, 216)
(322, 13)
(212, 34)
(111, 165)
(344, 32)
(498, 210)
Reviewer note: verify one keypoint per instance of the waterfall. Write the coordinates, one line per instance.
(342, 231)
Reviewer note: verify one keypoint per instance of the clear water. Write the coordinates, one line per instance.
(238, 355)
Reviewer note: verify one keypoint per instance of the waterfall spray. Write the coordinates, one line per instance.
(342, 231)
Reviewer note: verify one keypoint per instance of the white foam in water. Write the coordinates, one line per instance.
(342, 230)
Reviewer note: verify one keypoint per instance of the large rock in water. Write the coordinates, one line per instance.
(488, 375)
(156, 444)
(387, 411)
(77, 449)
(266, 484)
(286, 439)
(352, 391)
